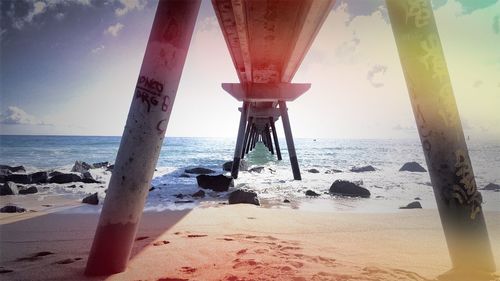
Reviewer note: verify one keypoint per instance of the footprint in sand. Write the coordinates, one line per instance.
(187, 269)
(196, 235)
(172, 279)
(67, 261)
(141, 238)
(35, 256)
(5, 270)
(161, 243)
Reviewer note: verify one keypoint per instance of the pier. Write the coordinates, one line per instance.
(267, 41)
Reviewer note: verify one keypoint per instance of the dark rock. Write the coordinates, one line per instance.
(180, 196)
(184, 176)
(229, 165)
(412, 167)
(332, 171)
(412, 205)
(5, 172)
(54, 173)
(88, 178)
(13, 169)
(91, 199)
(311, 193)
(286, 201)
(256, 170)
(217, 183)
(100, 165)
(199, 171)
(362, 169)
(198, 194)
(2, 178)
(313, 171)
(183, 201)
(417, 198)
(72, 186)
(346, 188)
(65, 178)
(8, 188)
(12, 209)
(80, 167)
(19, 178)
(39, 177)
(110, 167)
(492, 186)
(29, 190)
(243, 197)
(150, 189)
(379, 196)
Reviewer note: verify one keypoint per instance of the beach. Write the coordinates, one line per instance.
(290, 236)
(238, 242)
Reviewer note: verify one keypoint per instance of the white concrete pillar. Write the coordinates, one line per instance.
(143, 135)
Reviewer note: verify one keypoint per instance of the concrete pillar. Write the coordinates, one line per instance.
(289, 140)
(143, 136)
(275, 137)
(270, 141)
(247, 136)
(239, 141)
(255, 137)
(443, 142)
(250, 139)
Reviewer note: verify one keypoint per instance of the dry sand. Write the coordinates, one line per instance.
(237, 242)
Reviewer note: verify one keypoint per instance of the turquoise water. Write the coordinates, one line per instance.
(390, 188)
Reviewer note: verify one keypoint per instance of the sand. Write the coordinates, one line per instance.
(236, 242)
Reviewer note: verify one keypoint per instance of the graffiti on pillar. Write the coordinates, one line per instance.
(149, 92)
(161, 126)
(420, 11)
(465, 189)
(434, 61)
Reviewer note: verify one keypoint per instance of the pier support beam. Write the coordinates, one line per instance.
(289, 140)
(268, 136)
(143, 136)
(250, 139)
(275, 137)
(247, 136)
(443, 142)
(239, 141)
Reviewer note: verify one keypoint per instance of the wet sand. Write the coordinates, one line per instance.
(235, 242)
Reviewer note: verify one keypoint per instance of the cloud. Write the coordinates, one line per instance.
(60, 16)
(376, 71)
(16, 116)
(114, 29)
(130, 5)
(97, 50)
(39, 7)
(23, 12)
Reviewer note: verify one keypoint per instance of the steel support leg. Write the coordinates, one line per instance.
(289, 140)
(443, 142)
(268, 136)
(143, 136)
(239, 141)
(250, 139)
(275, 137)
(247, 135)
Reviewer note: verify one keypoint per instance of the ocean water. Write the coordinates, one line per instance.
(390, 188)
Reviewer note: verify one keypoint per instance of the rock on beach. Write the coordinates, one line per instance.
(346, 188)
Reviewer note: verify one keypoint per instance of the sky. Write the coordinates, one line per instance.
(70, 67)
